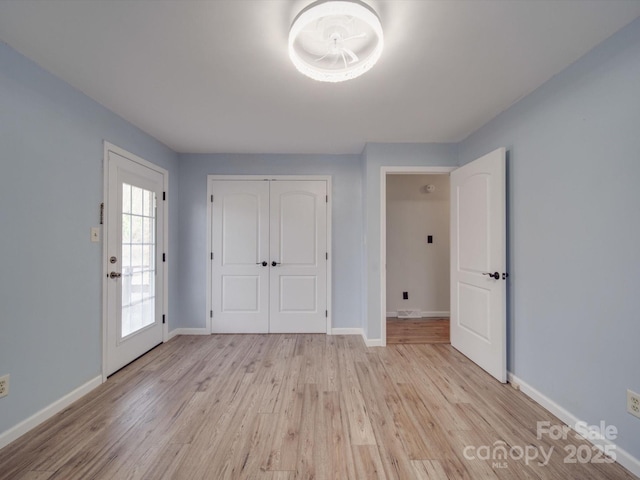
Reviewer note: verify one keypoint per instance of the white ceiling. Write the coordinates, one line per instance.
(214, 76)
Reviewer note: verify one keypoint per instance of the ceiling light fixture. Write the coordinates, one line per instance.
(334, 41)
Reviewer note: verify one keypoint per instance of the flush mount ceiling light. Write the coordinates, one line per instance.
(334, 41)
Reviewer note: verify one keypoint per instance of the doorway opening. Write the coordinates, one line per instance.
(414, 250)
(417, 259)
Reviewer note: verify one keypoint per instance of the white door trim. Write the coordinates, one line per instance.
(384, 171)
(109, 147)
(207, 254)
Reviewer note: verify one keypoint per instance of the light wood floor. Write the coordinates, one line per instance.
(418, 330)
(293, 407)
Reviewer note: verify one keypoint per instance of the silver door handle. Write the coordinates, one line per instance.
(115, 275)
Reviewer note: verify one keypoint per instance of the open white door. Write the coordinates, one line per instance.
(478, 262)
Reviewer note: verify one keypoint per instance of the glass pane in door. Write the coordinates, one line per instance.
(138, 259)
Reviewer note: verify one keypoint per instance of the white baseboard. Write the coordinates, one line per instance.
(423, 314)
(623, 457)
(47, 412)
(371, 342)
(346, 331)
(188, 331)
(435, 314)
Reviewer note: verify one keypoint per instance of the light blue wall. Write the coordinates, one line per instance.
(377, 155)
(51, 178)
(346, 229)
(574, 233)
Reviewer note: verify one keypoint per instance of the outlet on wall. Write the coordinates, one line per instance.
(4, 385)
(633, 403)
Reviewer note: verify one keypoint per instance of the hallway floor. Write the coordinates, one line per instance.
(417, 330)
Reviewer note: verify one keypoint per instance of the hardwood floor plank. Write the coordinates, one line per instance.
(360, 429)
(337, 438)
(394, 458)
(259, 444)
(35, 475)
(312, 451)
(429, 470)
(435, 438)
(368, 463)
(284, 452)
(331, 378)
(154, 463)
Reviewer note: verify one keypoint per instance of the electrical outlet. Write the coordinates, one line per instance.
(633, 403)
(4, 386)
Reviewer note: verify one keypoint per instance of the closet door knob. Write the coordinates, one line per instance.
(495, 275)
(274, 263)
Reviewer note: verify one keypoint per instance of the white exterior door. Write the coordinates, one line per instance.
(478, 262)
(298, 257)
(134, 246)
(240, 250)
(269, 256)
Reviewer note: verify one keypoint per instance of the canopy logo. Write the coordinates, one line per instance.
(500, 452)
(601, 450)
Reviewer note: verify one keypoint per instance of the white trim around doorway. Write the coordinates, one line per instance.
(384, 171)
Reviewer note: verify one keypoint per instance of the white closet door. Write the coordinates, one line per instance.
(240, 237)
(298, 264)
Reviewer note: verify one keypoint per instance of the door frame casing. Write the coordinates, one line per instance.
(210, 179)
(384, 171)
(109, 147)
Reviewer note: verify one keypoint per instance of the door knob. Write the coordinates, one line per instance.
(495, 275)
(264, 264)
(274, 263)
(115, 275)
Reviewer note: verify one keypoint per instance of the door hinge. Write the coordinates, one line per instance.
(326, 313)
(210, 313)
(164, 195)
(211, 255)
(326, 198)
(102, 213)
(326, 255)
(164, 257)
(164, 320)
(211, 198)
